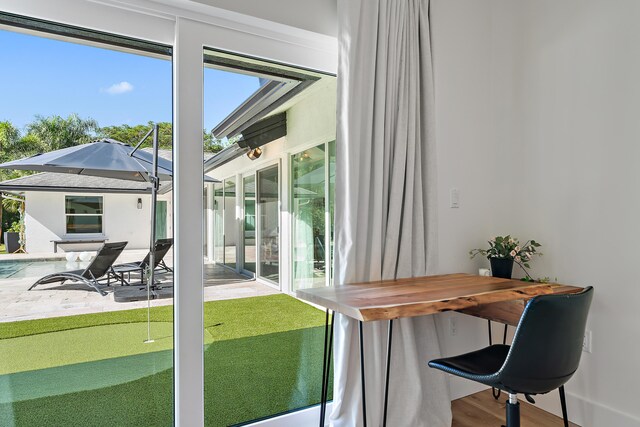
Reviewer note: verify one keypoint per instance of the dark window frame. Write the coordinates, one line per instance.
(79, 33)
(74, 214)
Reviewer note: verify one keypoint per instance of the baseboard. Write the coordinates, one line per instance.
(587, 413)
(582, 412)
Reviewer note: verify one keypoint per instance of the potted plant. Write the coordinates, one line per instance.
(504, 251)
(12, 238)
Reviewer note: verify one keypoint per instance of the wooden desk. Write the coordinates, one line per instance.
(488, 297)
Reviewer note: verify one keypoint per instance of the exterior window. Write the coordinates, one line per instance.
(83, 214)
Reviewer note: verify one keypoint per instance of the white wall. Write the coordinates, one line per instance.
(581, 158)
(122, 221)
(536, 105)
(312, 121)
(475, 148)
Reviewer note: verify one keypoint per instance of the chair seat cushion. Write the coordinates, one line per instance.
(478, 365)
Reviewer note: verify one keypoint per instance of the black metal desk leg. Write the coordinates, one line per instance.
(323, 393)
(326, 369)
(386, 384)
(494, 391)
(364, 399)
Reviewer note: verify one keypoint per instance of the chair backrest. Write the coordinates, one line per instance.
(103, 260)
(547, 345)
(162, 246)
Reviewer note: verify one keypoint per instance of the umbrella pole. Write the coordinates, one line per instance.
(153, 177)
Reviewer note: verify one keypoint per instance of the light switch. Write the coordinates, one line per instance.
(454, 197)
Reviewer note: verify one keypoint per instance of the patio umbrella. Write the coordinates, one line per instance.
(106, 158)
(110, 159)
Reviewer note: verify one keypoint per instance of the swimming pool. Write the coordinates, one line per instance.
(20, 269)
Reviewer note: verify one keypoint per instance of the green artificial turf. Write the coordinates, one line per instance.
(83, 345)
(228, 318)
(263, 356)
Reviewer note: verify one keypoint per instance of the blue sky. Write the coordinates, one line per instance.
(50, 77)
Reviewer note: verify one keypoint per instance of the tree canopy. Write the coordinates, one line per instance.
(55, 132)
(133, 134)
(46, 134)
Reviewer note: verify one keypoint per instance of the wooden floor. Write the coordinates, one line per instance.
(481, 409)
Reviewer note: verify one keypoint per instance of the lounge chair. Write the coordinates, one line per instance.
(99, 270)
(161, 248)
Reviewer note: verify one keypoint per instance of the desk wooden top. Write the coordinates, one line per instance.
(418, 296)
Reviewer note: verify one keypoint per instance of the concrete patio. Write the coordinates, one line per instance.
(47, 301)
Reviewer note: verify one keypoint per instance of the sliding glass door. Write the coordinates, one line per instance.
(230, 224)
(269, 224)
(331, 156)
(263, 347)
(308, 212)
(312, 208)
(218, 223)
(73, 354)
(249, 223)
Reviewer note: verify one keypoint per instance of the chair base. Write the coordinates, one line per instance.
(513, 414)
(513, 411)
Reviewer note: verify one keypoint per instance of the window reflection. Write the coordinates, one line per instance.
(268, 196)
(309, 219)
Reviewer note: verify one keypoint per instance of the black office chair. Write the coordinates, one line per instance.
(544, 355)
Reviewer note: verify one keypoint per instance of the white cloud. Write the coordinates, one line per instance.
(118, 88)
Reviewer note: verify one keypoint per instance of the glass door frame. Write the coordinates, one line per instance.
(235, 226)
(327, 212)
(171, 25)
(242, 252)
(217, 238)
(263, 167)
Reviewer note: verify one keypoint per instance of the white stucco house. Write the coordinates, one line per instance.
(61, 207)
(272, 217)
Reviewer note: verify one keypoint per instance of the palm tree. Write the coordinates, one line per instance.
(56, 132)
(43, 134)
(9, 138)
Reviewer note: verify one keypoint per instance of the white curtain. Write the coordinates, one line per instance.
(385, 206)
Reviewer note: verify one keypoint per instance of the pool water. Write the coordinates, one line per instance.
(36, 268)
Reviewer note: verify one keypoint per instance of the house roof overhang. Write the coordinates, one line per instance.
(254, 136)
(62, 182)
(25, 188)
